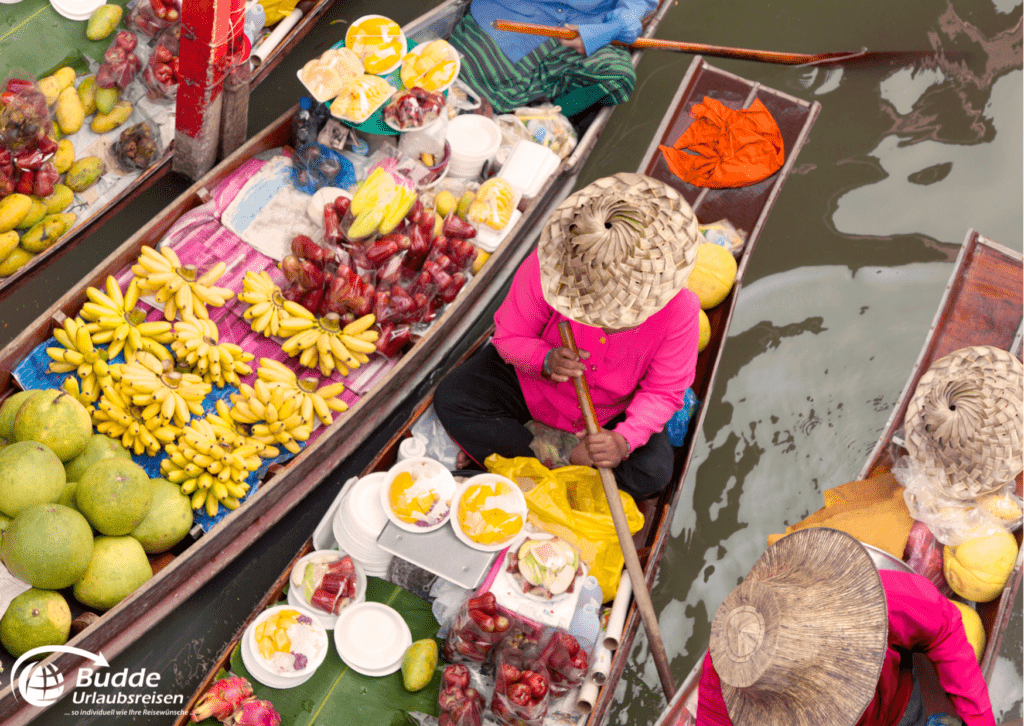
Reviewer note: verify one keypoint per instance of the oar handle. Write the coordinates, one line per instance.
(678, 46)
(611, 493)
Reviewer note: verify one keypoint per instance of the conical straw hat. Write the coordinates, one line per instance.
(964, 423)
(617, 251)
(802, 640)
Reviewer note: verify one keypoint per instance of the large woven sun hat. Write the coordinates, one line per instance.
(801, 641)
(617, 251)
(964, 422)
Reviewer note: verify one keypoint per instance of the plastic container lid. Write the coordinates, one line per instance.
(372, 638)
(528, 166)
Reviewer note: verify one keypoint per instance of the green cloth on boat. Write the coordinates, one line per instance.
(550, 72)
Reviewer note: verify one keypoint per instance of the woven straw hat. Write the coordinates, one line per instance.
(617, 251)
(801, 641)
(964, 423)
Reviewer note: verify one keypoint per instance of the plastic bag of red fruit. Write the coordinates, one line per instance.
(478, 626)
(149, 17)
(161, 72)
(522, 683)
(460, 700)
(567, 662)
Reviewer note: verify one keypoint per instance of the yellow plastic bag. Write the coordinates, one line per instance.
(569, 502)
(277, 10)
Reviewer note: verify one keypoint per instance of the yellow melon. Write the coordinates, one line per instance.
(713, 275)
(705, 331)
(973, 629)
(978, 569)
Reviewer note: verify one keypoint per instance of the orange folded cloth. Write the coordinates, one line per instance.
(872, 510)
(731, 148)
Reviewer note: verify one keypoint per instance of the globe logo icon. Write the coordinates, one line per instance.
(41, 685)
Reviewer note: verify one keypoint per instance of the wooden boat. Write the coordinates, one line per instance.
(315, 9)
(178, 577)
(747, 209)
(981, 306)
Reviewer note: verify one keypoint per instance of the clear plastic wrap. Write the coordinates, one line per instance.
(923, 554)
(151, 17)
(460, 698)
(953, 521)
(566, 661)
(120, 62)
(315, 166)
(479, 625)
(522, 681)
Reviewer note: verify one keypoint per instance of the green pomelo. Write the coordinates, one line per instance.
(29, 474)
(67, 497)
(169, 518)
(97, 448)
(8, 410)
(56, 419)
(114, 495)
(48, 546)
(118, 567)
(33, 619)
(5, 522)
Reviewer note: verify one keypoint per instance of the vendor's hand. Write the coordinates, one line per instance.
(606, 449)
(563, 364)
(575, 43)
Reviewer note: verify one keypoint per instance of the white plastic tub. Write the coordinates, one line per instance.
(474, 140)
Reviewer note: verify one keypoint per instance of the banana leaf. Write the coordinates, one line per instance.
(337, 694)
(35, 37)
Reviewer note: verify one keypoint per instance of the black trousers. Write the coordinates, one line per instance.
(482, 407)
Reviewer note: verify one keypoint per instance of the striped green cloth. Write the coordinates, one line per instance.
(551, 72)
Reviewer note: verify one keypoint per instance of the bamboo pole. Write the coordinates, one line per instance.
(611, 492)
(678, 46)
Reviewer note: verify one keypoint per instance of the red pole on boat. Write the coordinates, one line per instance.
(611, 493)
(206, 31)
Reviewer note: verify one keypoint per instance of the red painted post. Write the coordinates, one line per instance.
(234, 116)
(206, 32)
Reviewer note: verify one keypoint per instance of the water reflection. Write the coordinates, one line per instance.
(907, 155)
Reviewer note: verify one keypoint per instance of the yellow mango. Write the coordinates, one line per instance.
(8, 243)
(60, 199)
(87, 92)
(64, 157)
(84, 173)
(65, 77)
(69, 113)
(106, 98)
(103, 122)
(51, 228)
(13, 209)
(103, 21)
(14, 261)
(36, 213)
(50, 87)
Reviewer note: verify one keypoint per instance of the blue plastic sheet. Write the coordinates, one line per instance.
(33, 373)
(679, 424)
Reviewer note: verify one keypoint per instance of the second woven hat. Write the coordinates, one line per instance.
(964, 422)
(617, 251)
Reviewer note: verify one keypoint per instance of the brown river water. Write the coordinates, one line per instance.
(909, 152)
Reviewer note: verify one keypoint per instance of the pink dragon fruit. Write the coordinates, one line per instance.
(222, 699)
(255, 713)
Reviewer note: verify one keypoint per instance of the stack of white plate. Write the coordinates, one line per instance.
(76, 9)
(372, 638)
(359, 520)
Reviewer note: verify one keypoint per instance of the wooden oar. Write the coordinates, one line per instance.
(721, 51)
(611, 493)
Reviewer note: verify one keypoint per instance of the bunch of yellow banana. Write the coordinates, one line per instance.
(228, 431)
(116, 417)
(197, 345)
(79, 355)
(312, 401)
(210, 473)
(272, 415)
(114, 319)
(162, 391)
(179, 287)
(266, 304)
(323, 343)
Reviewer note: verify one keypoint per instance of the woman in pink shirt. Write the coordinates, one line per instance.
(613, 260)
(815, 632)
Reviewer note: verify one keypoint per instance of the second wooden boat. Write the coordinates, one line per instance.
(981, 306)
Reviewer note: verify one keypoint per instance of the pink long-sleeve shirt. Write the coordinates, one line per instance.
(920, 618)
(644, 372)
